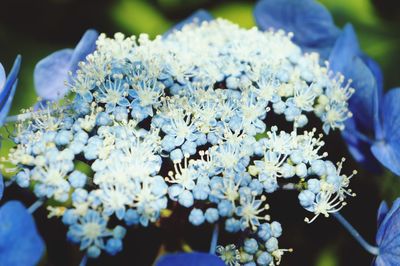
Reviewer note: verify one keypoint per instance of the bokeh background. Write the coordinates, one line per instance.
(34, 29)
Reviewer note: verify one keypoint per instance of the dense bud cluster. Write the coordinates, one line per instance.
(190, 117)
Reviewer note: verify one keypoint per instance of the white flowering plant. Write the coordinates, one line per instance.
(208, 120)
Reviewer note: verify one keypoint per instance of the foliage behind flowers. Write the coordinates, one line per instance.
(187, 120)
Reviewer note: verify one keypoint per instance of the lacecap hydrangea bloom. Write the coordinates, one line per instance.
(187, 120)
(372, 134)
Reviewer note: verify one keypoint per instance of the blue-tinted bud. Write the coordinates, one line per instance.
(330, 168)
(264, 259)
(250, 245)
(270, 185)
(211, 215)
(120, 113)
(256, 186)
(113, 246)
(296, 157)
(279, 107)
(301, 170)
(186, 199)
(77, 179)
(22, 179)
(63, 137)
(189, 147)
(131, 217)
(103, 119)
(176, 155)
(69, 217)
(225, 208)
(314, 185)
(79, 195)
(301, 121)
(335, 180)
(306, 198)
(272, 244)
(174, 191)
(276, 229)
(119, 232)
(93, 252)
(318, 167)
(196, 217)
(288, 170)
(201, 192)
(264, 231)
(232, 225)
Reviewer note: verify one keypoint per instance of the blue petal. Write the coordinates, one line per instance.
(197, 17)
(387, 260)
(311, 22)
(387, 150)
(51, 73)
(354, 143)
(86, 46)
(344, 51)
(388, 237)
(20, 243)
(390, 115)
(190, 259)
(388, 222)
(8, 91)
(2, 77)
(1, 186)
(364, 102)
(382, 211)
(12, 77)
(364, 106)
(346, 57)
(387, 155)
(5, 108)
(367, 79)
(375, 69)
(360, 149)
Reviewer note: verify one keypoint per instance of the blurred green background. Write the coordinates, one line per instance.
(36, 28)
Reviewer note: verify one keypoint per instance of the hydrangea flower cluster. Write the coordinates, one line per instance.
(189, 119)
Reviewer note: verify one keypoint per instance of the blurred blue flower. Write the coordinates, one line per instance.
(388, 236)
(1, 186)
(311, 22)
(373, 129)
(346, 57)
(7, 88)
(386, 147)
(51, 72)
(190, 259)
(20, 242)
(198, 17)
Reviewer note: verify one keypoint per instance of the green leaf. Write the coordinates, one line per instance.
(134, 16)
(360, 11)
(240, 13)
(327, 258)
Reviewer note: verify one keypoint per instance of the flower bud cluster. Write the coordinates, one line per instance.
(190, 118)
